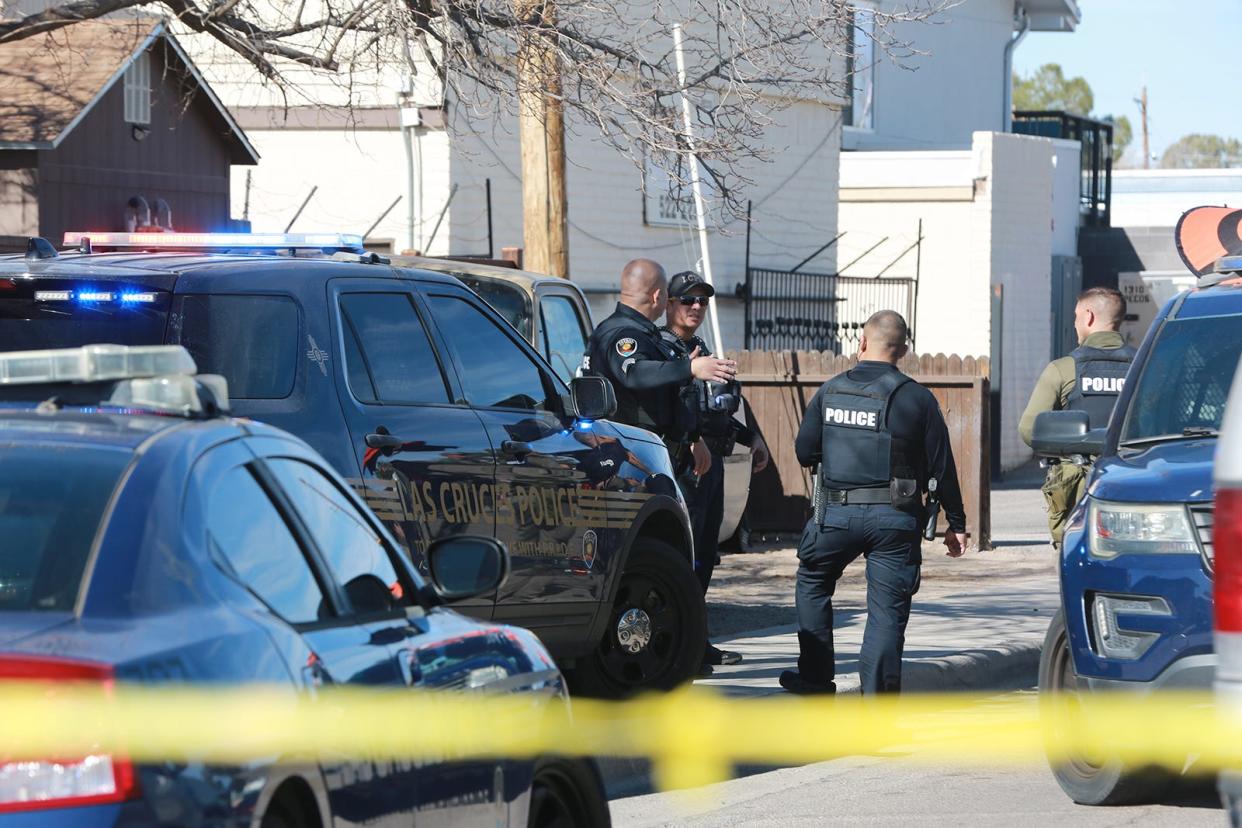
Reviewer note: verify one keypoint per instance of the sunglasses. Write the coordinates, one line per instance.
(690, 301)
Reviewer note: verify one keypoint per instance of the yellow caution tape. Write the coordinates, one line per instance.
(693, 736)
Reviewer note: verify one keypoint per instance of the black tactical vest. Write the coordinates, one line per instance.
(1099, 376)
(857, 447)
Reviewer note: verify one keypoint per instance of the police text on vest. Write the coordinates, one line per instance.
(846, 416)
(1103, 385)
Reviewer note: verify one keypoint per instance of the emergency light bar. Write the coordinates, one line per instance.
(227, 241)
(152, 377)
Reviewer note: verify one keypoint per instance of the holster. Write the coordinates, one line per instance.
(906, 496)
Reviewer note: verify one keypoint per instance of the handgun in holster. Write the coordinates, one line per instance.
(818, 498)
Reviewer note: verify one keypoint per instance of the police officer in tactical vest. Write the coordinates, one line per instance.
(880, 441)
(713, 405)
(1090, 379)
(647, 373)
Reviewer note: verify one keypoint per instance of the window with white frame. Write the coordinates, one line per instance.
(860, 69)
(138, 91)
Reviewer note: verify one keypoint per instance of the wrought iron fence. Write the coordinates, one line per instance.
(786, 310)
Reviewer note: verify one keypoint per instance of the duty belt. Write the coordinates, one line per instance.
(845, 497)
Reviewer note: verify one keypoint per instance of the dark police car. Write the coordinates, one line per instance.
(148, 538)
(1137, 563)
(441, 416)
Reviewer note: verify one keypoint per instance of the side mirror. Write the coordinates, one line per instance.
(593, 398)
(1066, 433)
(466, 566)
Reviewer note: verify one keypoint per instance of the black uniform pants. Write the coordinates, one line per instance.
(890, 542)
(705, 502)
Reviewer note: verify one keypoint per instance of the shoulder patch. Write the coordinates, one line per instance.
(627, 346)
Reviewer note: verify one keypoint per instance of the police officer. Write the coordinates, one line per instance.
(647, 374)
(713, 406)
(1090, 379)
(878, 437)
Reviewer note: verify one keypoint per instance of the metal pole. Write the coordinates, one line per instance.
(799, 265)
(303, 207)
(746, 284)
(864, 253)
(440, 218)
(409, 187)
(487, 185)
(697, 186)
(383, 216)
(918, 268)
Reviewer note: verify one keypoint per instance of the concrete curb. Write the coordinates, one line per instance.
(1007, 666)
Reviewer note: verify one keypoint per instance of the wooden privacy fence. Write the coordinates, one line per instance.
(778, 386)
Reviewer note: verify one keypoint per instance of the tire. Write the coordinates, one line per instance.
(659, 586)
(1088, 780)
(568, 793)
(277, 817)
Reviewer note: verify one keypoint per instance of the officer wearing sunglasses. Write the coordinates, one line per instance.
(712, 405)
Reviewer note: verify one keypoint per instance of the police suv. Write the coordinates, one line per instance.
(440, 415)
(1137, 561)
(149, 538)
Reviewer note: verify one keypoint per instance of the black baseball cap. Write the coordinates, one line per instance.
(682, 283)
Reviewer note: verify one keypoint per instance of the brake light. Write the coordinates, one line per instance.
(30, 784)
(1227, 544)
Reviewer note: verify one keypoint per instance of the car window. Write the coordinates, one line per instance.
(494, 370)
(1186, 379)
(388, 357)
(51, 505)
(250, 539)
(564, 341)
(355, 553)
(252, 341)
(510, 301)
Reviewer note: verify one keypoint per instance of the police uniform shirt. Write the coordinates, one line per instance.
(709, 422)
(645, 371)
(913, 415)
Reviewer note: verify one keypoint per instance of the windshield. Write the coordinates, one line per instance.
(510, 302)
(1186, 379)
(52, 500)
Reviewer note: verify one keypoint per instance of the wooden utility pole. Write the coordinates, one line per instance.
(541, 130)
(1142, 102)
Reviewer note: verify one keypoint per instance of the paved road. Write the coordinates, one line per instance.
(901, 792)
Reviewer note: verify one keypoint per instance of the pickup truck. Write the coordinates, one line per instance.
(1137, 562)
(554, 315)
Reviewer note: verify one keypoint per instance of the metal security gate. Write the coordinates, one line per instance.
(799, 311)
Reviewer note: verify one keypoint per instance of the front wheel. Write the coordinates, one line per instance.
(657, 629)
(567, 793)
(1088, 780)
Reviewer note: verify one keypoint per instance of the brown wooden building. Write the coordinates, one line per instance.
(101, 119)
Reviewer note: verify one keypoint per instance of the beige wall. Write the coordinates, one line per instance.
(19, 204)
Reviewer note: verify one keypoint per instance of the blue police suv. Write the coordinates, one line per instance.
(1136, 564)
(439, 414)
(147, 537)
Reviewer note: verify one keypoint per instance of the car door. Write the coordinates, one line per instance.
(547, 512)
(426, 461)
(430, 650)
(564, 325)
(258, 538)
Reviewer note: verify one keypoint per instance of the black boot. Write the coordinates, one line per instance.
(713, 655)
(795, 683)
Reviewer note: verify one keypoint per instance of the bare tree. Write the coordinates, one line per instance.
(615, 71)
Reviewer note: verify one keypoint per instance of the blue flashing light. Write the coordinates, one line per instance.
(136, 298)
(584, 425)
(182, 241)
(94, 296)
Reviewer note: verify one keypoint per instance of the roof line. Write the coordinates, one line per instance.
(103, 90)
(211, 95)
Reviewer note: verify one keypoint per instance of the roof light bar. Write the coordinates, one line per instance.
(94, 363)
(181, 241)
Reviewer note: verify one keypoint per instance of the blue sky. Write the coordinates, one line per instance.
(1187, 52)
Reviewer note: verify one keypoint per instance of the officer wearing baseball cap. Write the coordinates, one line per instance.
(713, 406)
(647, 373)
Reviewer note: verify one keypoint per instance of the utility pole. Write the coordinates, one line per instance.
(541, 129)
(1142, 102)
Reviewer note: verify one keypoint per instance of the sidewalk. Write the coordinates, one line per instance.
(977, 623)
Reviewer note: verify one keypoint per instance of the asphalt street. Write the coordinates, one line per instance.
(895, 791)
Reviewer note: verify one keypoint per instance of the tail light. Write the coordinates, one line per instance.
(1227, 542)
(29, 783)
